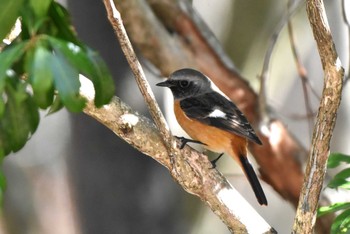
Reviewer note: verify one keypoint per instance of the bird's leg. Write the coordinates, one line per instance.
(184, 141)
(213, 162)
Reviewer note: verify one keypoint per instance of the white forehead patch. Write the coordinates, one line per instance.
(216, 113)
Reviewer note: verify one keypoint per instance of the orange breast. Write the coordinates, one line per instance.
(216, 140)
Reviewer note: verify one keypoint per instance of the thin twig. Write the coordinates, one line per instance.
(301, 70)
(116, 21)
(304, 221)
(300, 116)
(190, 169)
(174, 41)
(197, 176)
(263, 106)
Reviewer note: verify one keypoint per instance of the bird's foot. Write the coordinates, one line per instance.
(184, 141)
(213, 162)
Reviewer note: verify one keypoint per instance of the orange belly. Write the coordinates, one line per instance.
(216, 140)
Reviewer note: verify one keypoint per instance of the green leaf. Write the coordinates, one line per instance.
(335, 159)
(33, 114)
(8, 57)
(41, 77)
(2, 186)
(20, 119)
(339, 183)
(66, 79)
(2, 106)
(9, 13)
(90, 64)
(56, 105)
(33, 24)
(332, 208)
(28, 21)
(343, 174)
(4, 145)
(2, 151)
(101, 78)
(61, 19)
(40, 7)
(341, 223)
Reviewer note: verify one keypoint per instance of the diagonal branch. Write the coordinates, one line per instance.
(188, 167)
(302, 73)
(194, 174)
(263, 106)
(176, 37)
(333, 77)
(116, 21)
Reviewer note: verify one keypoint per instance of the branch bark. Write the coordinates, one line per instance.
(115, 19)
(333, 78)
(194, 170)
(171, 35)
(188, 169)
(176, 38)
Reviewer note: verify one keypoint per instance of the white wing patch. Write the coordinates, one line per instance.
(217, 114)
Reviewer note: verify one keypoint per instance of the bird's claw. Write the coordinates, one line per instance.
(213, 162)
(184, 141)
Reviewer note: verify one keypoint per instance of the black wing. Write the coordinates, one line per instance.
(215, 110)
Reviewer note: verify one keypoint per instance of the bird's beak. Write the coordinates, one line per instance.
(164, 84)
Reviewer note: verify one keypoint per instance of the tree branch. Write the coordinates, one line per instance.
(116, 22)
(195, 173)
(177, 38)
(196, 177)
(333, 77)
(302, 73)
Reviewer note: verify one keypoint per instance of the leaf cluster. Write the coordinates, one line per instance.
(40, 68)
(341, 224)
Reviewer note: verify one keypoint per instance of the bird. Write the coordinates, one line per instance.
(210, 118)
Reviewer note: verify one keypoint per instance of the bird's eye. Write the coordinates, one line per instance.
(184, 83)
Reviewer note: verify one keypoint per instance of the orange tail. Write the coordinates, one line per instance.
(253, 180)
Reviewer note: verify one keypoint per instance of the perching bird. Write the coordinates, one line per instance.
(212, 119)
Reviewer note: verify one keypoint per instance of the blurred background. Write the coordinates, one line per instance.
(76, 176)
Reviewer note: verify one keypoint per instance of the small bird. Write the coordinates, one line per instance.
(212, 119)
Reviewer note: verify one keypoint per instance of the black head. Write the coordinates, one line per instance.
(186, 83)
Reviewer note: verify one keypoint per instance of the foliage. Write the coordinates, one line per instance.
(341, 224)
(40, 69)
